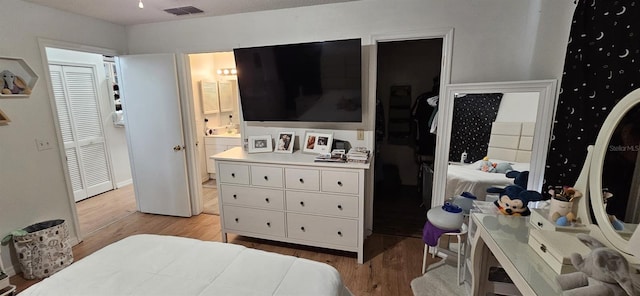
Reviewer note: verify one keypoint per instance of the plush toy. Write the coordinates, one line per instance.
(615, 222)
(486, 165)
(12, 84)
(514, 198)
(602, 272)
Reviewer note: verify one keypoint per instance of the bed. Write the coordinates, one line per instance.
(510, 142)
(167, 265)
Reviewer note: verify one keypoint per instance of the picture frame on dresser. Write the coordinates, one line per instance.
(260, 144)
(317, 143)
(285, 142)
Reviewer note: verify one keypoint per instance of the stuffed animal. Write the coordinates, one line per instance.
(486, 165)
(514, 198)
(12, 84)
(602, 272)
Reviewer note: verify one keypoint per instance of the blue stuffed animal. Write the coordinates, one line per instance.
(514, 198)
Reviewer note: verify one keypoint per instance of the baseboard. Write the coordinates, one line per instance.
(124, 183)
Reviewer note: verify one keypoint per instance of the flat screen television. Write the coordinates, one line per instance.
(307, 82)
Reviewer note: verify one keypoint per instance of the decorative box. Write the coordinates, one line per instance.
(556, 248)
(539, 219)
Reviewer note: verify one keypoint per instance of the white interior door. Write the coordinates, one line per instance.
(151, 104)
(76, 96)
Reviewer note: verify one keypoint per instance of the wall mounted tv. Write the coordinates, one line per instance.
(307, 82)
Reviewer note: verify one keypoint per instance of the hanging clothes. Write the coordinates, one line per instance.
(424, 117)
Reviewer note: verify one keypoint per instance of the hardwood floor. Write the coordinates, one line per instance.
(103, 209)
(391, 262)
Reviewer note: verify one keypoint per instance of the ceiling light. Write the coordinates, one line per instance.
(140, 4)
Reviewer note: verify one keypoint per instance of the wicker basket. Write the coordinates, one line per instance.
(44, 250)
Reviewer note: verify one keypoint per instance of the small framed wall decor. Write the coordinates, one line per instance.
(317, 143)
(260, 144)
(284, 142)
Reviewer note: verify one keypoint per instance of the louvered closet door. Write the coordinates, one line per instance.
(75, 92)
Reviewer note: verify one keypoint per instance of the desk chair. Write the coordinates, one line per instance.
(461, 238)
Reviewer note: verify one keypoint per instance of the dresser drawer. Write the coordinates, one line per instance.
(254, 197)
(322, 203)
(302, 179)
(340, 182)
(266, 176)
(335, 231)
(254, 220)
(233, 173)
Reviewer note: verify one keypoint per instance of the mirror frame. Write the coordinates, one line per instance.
(545, 114)
(597, 162)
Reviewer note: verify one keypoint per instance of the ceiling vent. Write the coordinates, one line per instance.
(184, 10)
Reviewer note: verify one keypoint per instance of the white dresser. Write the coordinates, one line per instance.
(291, 198)
(215, 144)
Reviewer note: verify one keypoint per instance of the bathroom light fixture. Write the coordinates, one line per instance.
(140, 4)
(227, 71)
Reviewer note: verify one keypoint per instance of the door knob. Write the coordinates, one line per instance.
(177, 148)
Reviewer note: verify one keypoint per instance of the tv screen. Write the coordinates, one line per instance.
(309, 82)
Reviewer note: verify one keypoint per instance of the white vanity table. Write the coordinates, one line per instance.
(215, 144)
(507, 237)
(291, 198)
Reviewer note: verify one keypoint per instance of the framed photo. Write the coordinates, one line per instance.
(284, 142)
(317, 143)
(260, 144)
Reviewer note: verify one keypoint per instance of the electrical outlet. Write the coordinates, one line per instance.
(360, 134)
(43, 144)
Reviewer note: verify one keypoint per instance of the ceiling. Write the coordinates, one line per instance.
(126, 12)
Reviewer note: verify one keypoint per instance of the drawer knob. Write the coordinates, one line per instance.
(266, 199)
(235, 196)
(237, 219)
(540, 224)
(266, 178)
(340, 233)
(339, 183)
(302, 203)
(543, 248)
(302, 228)
(233, 175)
(268, 224)
(340, 207)
(301, 180)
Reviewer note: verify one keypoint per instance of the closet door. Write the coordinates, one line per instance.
(76, 96)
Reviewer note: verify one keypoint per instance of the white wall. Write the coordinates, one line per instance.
(115, 136)
(32, 185)
(518, 107)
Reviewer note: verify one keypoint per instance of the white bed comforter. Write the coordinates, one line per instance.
(461, 178)
(167, 265)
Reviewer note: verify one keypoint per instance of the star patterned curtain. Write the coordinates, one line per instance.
(473, 115)
(602, 65)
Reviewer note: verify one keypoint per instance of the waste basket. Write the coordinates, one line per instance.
(44, 249)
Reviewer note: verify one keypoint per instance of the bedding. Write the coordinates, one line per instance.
(469, 178)
(167, 265)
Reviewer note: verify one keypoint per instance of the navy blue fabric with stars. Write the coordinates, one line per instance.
(473, 115)
(602, 65)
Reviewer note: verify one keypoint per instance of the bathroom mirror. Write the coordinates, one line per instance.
(615, 167)
(210, 97)
(484, 99)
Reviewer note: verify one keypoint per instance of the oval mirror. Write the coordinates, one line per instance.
(615, 173)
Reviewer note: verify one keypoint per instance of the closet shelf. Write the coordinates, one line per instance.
(20, 68)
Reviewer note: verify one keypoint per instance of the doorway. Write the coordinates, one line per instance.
(408, 86)
(84, 87)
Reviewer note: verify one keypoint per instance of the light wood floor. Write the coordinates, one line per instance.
(391, 262)
(103, 209)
